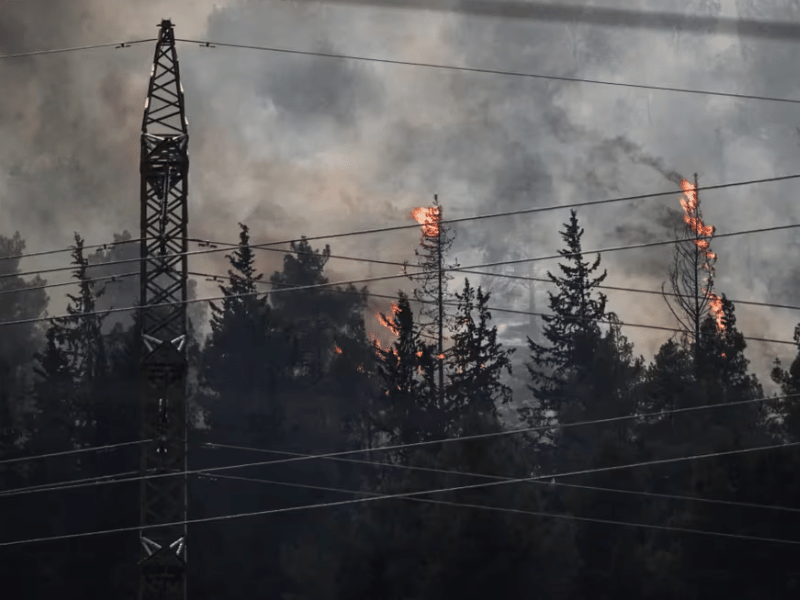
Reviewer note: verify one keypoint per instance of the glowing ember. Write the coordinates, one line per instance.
(428, 217)
(337, 350)
(441, 356)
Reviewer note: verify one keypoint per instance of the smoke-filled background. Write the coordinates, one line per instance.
(301, 145)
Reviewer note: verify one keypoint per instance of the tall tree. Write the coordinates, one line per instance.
(402, 410)
(435, 241)
(572, 332)
(691, 275)
(239, 361)
(477, 361)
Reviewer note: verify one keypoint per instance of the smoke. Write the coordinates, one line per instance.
(296, 145)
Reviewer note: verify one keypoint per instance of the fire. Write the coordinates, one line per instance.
(337, 350)
(387, 323)
(715, 303)
(689, 203)
(428, 217)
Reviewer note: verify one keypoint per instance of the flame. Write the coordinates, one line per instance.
(337, 350)
(689, 203)
(715, 303)
(387, 323)
(428, 217)
(441, 356)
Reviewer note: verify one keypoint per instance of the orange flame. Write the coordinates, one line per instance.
(386, 322)
(337, 350)
(429, 217)
(689, 203)
(715, 303)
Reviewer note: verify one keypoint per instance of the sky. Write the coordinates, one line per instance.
(299, 145)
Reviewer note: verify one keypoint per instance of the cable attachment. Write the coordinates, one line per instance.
(207, 45)
(123, 45)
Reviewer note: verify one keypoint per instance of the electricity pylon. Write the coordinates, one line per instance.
(164, 169)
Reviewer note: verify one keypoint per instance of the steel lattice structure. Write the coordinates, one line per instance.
(164, 219)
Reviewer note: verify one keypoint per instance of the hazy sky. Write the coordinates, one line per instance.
(296, 145)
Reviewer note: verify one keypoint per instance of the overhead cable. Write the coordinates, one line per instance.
(400, 495)
(76, 484)
(471, 218)
(507, 510)
(498, 477)
(71, 452)
(563, 78)
(75, 49)
(499, 309)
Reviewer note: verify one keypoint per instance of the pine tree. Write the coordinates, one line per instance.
(572, 331)
(74, 359)
(239, 361)
(477, 359)
(401, 412)
(433, 279)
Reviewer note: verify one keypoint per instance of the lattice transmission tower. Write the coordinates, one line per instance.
(163, 279)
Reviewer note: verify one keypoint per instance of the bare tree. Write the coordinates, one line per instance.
(691, 275)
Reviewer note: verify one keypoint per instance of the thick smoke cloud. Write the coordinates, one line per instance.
(302, 145)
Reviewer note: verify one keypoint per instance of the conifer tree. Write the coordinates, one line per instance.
(75, 350)
(433, 278)
(239, 360)
(401, 413)
(477, 361)
(572, 331)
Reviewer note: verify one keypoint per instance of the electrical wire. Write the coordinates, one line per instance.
(501, 310)
(498, 477)
(400, 276)
(640, 86)
(472, 218)
(99, 247)
(504, 509)
(79, 483)
(71, 452)
(357, 259)
(60, 50)
(64, 485)
(113, 278)
(411, 495)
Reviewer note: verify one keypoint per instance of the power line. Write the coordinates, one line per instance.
(498, 309)
(354, 281)
(407, 495)
(79, 483)
(498, 477)
(388, 277)
(491, 71)
(69, 249)
(66, 485)
(60, 50)
(113, 278)
(71, 452)
(473, 218)
(502, 509)
(233, 246)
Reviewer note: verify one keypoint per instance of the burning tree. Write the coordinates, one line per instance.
(691, 275)
(432, 292)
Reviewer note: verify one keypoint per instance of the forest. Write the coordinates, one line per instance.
(661, 479)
